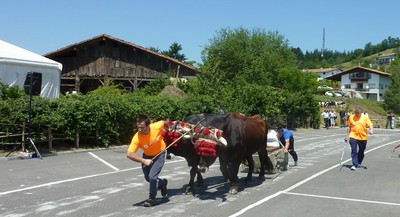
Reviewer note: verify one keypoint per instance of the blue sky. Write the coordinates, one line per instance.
(43, 26)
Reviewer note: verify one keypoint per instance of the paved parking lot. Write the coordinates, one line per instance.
(106, 183)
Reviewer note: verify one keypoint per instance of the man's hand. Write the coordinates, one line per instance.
(147, 162)
(371, 130)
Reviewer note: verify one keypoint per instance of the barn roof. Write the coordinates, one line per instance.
(105, 36)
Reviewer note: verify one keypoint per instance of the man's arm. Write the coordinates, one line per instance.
(133, 156)
(346, 138)
(287, 144)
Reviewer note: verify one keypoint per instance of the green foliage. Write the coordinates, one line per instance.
(317, 59)
(106, 116)
(254, 72)
(392, 96)
(10, 92)
(174, 52)
(301, 109)
(154, 87)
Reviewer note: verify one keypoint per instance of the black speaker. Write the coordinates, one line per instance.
(33, 83)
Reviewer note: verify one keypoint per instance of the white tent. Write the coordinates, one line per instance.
(16, 63)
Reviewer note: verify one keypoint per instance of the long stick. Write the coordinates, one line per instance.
(179, 138)
(344, 148)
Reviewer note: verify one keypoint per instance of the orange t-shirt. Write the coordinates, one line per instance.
(152, 143)
(358, 126)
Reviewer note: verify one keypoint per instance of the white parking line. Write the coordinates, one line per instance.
(103, 161)
(76, 179)
(343, 198)
(286, 191)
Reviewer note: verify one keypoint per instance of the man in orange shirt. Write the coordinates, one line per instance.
(357, 136)
(149, 139)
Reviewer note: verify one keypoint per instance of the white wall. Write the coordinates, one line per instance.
(375, 87)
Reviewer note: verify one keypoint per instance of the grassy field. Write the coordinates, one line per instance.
(371, 58)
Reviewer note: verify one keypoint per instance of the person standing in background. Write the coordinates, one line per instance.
(325, 115)
(342, 115)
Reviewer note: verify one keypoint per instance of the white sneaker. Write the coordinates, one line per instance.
(353, 168)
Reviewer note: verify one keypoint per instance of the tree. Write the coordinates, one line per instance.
(248, 69)
(174, 52)
(392, 96)
(155, 49)
(253, 56)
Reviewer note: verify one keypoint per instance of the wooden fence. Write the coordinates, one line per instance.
(18, 137)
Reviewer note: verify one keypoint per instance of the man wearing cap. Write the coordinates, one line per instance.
(149, 139)
(357, 136)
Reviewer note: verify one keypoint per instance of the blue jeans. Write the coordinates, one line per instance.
(326, 121)
(291, 150)
(151, 173)
(357, 156)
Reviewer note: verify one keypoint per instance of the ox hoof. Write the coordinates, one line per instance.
(233, 190)
(189, 191)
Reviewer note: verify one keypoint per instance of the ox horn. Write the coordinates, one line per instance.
(172, 143)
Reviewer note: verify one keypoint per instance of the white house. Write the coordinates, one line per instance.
(369, 83)
(324, 72)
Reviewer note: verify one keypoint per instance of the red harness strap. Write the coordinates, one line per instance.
(206, 147)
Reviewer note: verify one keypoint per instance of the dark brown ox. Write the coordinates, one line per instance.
(244, 136)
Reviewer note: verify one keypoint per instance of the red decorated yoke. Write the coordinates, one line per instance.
(204, 139)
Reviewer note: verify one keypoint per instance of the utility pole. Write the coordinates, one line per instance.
(323, 43)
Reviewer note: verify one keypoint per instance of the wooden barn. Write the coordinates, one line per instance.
(88, 64)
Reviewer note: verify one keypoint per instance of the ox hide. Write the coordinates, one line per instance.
(206, 120)
(244, 136)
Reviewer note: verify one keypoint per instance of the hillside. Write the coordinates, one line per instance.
(367, 59)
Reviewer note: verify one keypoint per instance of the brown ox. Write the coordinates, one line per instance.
(244, 136)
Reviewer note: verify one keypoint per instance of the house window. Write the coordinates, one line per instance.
(359, 86)
(347, 86)
(359, 75)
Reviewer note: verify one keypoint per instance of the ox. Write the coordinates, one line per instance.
(244, 136)
(187, 150)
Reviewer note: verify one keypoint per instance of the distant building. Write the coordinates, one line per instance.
(384, 59)
(323, 72)
(88, 64)
(369, 83)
